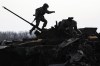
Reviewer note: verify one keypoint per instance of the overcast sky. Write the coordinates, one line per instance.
(85, 12)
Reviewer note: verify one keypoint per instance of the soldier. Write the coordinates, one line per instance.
(39, 16)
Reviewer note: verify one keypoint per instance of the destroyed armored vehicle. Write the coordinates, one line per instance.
(54, 47)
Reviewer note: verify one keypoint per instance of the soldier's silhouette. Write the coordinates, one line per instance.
(39, 16)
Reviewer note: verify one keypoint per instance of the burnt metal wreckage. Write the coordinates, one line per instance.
(54, 47)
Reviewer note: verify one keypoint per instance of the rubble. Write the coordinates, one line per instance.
(54, 49)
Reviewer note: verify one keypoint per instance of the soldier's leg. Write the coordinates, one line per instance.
(45, 23)
(33, 28)
(37, 22)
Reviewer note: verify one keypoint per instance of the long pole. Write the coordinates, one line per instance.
(21, 18)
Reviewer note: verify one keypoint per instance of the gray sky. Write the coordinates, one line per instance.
(85, 12)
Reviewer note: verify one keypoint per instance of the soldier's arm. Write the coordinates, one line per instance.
(49, 12)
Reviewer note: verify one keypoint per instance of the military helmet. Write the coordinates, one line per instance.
(45, 5)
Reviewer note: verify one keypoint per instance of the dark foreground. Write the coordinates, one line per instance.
(54, 48)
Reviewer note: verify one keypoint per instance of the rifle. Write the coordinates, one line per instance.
(34, 19)
(22, 18)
